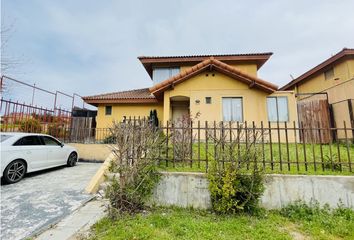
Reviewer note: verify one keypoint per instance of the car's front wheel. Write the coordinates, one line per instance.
(15, 171)
(72, 160)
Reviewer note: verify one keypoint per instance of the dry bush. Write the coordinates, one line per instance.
(182, 137)
(133, 172)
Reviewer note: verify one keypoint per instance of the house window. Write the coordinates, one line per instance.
(232, 109)
(208, 100)
(163, 73)
(329, 74)
(108, 110)
(278, 109)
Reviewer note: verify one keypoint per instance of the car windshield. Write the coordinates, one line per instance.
(4, 137)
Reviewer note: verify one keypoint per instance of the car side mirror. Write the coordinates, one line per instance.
(61, 144)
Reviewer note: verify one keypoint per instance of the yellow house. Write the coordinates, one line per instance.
(332, 79)
(216, 87)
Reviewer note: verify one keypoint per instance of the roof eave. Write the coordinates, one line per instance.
(259, 84)
(260, 59)
(317, 69)
(95, 102)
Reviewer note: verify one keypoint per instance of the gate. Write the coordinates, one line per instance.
(314, 117)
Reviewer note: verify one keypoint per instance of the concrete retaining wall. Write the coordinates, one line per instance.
(92, 152)
(191, 190)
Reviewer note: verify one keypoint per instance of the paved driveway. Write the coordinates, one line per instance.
(42, 199)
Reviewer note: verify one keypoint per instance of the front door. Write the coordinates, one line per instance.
(180, 114)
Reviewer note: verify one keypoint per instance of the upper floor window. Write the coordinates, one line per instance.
(108, 110)
(163, 73)
(277, 109)
(329, 74)
(232, 109)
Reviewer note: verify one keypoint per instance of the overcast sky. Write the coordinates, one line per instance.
(91, 47)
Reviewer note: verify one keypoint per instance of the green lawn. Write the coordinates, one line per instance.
(330, 159)
(193, 224)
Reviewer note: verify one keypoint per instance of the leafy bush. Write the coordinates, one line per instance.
(301, 210)
(133, 171)
(57, 130)
(30, 125)
(327, 221)
(232, 191)
(235, 180)
(332, 163)
(109, 139)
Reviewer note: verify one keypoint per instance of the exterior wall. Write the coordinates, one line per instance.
(92, 152)
(219, 86)
(250, 68)
(191, 190)
(341, 114)
(121, 110)
(338, 90)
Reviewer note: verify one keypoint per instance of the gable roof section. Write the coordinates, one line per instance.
(213, 64)
(319, 68)
(142, 95)
(258, 58)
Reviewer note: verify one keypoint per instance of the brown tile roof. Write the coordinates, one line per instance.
(346, 52)
(258, 58)
(211, 64)
(207, 55)
(142, 95)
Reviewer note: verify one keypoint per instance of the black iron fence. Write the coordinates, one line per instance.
(278, 146)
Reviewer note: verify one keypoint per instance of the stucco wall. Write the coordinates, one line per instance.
(191, 190)
(339, 88)
(219, 86)
(121, 110)
(93, 152)
(249, 68)
(254, 101)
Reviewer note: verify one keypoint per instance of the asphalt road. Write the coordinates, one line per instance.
(43, 198)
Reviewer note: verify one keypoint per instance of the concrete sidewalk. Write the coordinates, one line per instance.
(77, 223)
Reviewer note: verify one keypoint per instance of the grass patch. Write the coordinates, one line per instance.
(174, 223)
(310, 159)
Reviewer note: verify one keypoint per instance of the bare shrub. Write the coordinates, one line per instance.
(182, 137)
(133, 171)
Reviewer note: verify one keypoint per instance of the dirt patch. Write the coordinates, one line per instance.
(295, 233)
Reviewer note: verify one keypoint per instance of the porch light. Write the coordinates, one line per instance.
(197, 101)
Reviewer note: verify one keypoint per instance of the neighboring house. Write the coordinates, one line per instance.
(335, 78)
(218, 87)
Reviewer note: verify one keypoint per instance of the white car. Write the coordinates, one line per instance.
(22, 153)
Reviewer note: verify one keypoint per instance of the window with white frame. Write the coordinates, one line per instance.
(277, 109)
(163, 73)
(232, 109)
